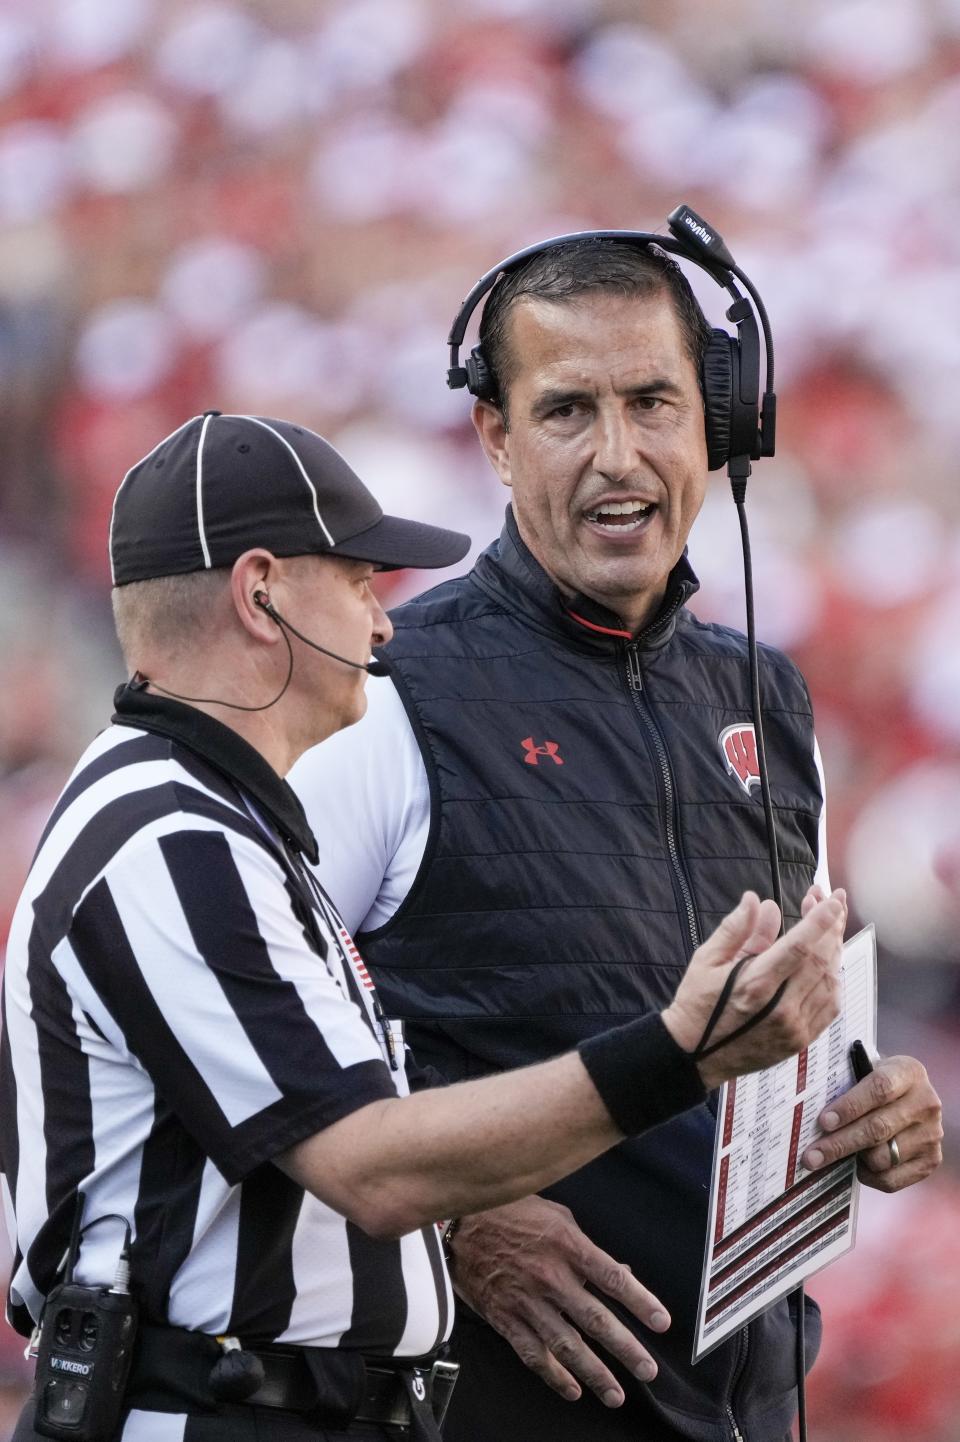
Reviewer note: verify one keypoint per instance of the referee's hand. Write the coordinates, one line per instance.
(805, 961)
(525, 1268)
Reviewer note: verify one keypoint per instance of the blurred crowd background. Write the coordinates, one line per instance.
(276, 205)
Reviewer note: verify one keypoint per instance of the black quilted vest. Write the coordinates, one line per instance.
(587, 828)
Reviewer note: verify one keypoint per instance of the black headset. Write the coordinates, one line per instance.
(738, 428)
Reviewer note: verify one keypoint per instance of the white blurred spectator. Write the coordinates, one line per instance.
(285, 357)
(888, 552)
(19, 50)
(504, 104)
(34, 171)
(892, 859)
(842, 278)
(125, 350)
(387, 312)
(413, 386)
(624, 68)
(661, 113)
(211, 284)
(870, 41)
(781, 510)
(906, 162)
(935, 669)
(787, 599)
(88, 33)
(366, 170)
(123, 142)
(763, 149)
(273, 91)
(555, 14)
(663, 140)
(209, 49)
(459, 180)
(363, 44)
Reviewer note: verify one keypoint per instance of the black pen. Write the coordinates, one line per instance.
(860, 1061)
(862, 1067)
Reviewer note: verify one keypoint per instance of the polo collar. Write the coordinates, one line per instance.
(227, 752)
(509, 565)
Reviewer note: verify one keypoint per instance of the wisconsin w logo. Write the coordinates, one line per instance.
(739, 747)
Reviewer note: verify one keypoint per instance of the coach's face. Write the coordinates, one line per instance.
(604, 447)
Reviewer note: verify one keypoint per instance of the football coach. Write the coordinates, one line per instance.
(207, 1125)
(546, 825)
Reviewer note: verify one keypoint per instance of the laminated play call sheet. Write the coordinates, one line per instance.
(773, 1224)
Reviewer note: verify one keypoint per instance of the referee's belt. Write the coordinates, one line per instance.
(172, 1368)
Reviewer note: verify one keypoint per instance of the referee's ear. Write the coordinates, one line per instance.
(250, 578)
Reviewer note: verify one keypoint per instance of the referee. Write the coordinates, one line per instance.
(197, 1081)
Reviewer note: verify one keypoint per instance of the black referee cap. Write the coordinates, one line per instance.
(220, 485)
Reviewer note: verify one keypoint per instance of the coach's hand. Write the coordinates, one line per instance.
(524, 1268)
(895, 1103)
(805, 962)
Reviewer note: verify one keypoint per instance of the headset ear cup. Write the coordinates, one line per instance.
(479, 380)
(717, 382)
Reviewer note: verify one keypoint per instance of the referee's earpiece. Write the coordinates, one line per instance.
(261, 599)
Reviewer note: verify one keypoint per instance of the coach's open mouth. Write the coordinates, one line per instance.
(621, 515)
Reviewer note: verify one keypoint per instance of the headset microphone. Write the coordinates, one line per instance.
(372, 668)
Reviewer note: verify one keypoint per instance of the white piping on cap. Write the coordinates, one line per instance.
(284, 442)
(201, 532)
(136, 464)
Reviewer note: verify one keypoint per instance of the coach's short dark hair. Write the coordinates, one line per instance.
(582, 267)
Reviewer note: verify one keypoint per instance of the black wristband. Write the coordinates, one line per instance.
(642, 1075)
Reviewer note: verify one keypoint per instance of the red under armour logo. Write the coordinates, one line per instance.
(739, 746)
(549, 748)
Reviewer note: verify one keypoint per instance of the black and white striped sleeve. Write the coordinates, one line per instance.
(189, 943)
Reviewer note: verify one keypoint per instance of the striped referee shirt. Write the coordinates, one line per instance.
(181, 1004)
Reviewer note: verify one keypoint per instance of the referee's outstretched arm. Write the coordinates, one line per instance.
(398, 1164)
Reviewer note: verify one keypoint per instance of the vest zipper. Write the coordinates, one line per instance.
(735, 1432)
(638, 695)
(741, 1367)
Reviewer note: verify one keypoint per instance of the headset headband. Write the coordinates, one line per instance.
(694, 240)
